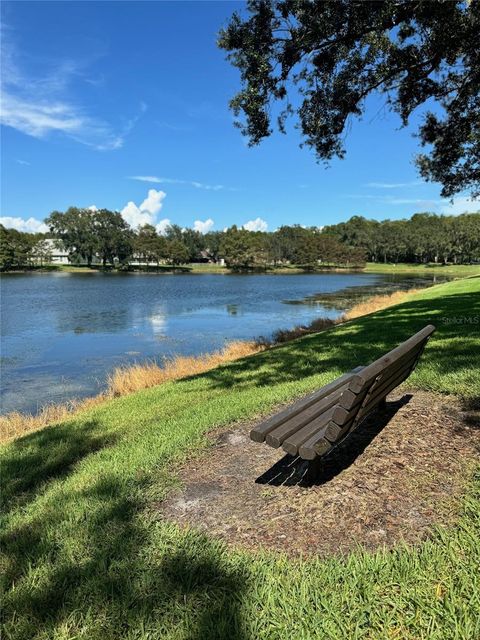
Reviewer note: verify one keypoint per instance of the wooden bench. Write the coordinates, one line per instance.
(313, 425)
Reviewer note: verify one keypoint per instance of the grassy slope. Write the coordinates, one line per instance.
(85, 556)
(457, 271)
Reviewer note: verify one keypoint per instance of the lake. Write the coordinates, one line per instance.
(63, 333)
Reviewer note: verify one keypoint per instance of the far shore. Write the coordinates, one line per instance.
(455, 270)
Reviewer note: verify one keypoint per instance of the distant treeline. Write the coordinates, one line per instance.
(426, 237)
(103, 237)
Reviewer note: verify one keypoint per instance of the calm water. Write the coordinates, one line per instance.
(63, 333)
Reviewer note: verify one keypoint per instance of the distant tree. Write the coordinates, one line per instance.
(195, 243)
(15, 248)
(7, 251)
(114, 237)
(174, 232)
(177, 253)
(212, 241)
(260, 248)
(330, 251)
(41, 252)
(465, 230)
(357, 232)
(322, 60)
(76, 229)
(290, 240)
(274, 248)
(307, 253)
(149, 246)
(237, 248)
(388, 240)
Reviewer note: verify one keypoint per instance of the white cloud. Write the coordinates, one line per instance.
(134, 216)
(256, 225)
(203, 227)
(461, 205)
(154, 179)
(40, 106)
(24, 162)
(163, 225)
(392, 185)
(146, 212)
(153, 201)
(190, 183)
(92, 207)
(394, 200)
(39, 117)
(209, 187)
(32, 224)
(417, 201)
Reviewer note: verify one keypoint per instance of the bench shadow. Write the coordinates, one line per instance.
(294, 471)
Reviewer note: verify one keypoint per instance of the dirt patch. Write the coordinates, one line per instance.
(395, 477)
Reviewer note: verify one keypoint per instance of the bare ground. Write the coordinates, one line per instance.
(398, 475)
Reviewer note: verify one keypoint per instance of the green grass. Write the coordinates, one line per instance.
(455, 270)
(85, 557)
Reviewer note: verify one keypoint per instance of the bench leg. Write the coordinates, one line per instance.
(382, 404)
(314, 468)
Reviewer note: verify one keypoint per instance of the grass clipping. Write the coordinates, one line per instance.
(128, 379)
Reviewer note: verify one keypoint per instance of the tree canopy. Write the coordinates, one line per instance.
(425, 237)
(321, 60)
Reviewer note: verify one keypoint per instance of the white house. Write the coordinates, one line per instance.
(59, 253)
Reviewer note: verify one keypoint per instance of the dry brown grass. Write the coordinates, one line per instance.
(377, 303)
(122, 381)
(128, 379)
(15, 424)
(144, 375)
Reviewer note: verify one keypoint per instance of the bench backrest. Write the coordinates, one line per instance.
(374, 382)
(314, 424)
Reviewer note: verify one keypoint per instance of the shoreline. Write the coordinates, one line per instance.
(459, 270)
(128, 379)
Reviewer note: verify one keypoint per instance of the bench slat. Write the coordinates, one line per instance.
(372, 370)
(293, 443)
(335, 432)
(288, 428)
(385, 385)
(316, 445)
(373, 402)
(259, 433)
(350, 399)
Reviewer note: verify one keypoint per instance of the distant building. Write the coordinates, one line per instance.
(58, 251)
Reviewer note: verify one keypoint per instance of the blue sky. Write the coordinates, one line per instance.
(124, 105)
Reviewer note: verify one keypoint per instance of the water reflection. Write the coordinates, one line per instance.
(158, 321)
(232, 309)
(93, 321)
